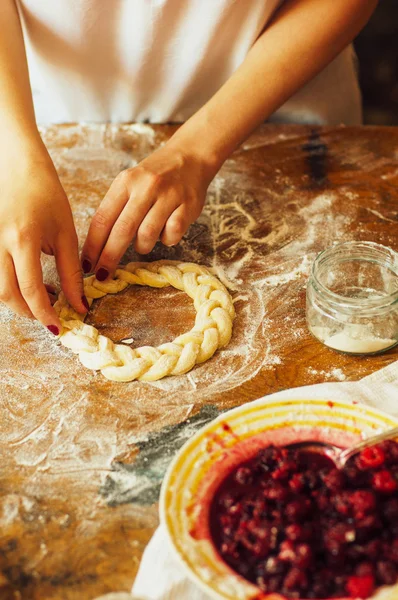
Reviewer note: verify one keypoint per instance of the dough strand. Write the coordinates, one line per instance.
(118, 362)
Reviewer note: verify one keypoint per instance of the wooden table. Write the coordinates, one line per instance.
(82, 458)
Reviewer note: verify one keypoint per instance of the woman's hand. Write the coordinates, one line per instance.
(157, 199)
(35, 217)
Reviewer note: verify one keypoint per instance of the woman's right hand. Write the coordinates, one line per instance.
(35, 217)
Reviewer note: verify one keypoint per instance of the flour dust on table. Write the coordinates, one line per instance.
(72, 443)
(229, 238)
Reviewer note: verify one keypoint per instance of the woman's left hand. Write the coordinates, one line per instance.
(157, 199)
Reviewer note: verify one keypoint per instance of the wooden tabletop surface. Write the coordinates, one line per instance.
(82, 458)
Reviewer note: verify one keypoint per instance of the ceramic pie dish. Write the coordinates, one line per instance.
(233, 438)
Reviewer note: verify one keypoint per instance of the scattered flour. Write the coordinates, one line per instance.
(302, 269)
(332, 374)
(61, 421)
(66, 430)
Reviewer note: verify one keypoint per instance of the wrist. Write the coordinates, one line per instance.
(198, 139)
(25, 146)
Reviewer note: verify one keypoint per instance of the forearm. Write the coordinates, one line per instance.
(17, 119)
(303, 38)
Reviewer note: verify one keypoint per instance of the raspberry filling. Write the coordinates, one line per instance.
(292, 523)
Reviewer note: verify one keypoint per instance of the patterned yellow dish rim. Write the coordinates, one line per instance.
(218, 443)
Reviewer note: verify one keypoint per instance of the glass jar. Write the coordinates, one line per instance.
(352, 298)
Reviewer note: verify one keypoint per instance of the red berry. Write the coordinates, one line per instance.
(273, 566)
(370, 458)
(235, 509)
(297, 482)
(342, 503)
(244, 476)
(297, 509)
(286, 552)
(384, 482)
(387, 572)
(339, 534)
(333, 480)
(303, 557)
(284, 470)
(363, 502)
(299, 533)
(227, 500)
(295, 579)
(360, 587)
(276, 492)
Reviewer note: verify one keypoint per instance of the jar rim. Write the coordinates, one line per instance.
(349, 251)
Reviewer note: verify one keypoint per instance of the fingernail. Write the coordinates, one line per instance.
(102, 274)
(86, 266)
(54, 329)
(85, 302)
(50, 288)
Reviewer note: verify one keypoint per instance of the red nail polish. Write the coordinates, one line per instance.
(102, 274)
(54, 329)
(86, 266)
(85, 302)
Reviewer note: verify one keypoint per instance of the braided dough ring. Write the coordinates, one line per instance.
(118, 362)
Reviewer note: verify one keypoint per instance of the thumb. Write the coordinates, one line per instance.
(69, 270)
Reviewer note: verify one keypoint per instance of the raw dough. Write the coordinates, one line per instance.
(118, 362)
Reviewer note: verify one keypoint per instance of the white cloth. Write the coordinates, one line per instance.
(160, 576)
(159, 60)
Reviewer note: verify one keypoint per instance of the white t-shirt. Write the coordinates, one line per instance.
(159, 60)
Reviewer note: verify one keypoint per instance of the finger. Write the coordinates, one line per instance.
(152, 226)
(103, 221)
(122, 234)
(9, 290)
(70, 271)
(30, 281)
(176, 226)
(147, 225)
